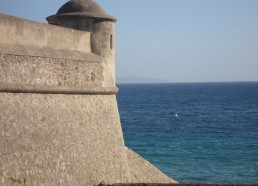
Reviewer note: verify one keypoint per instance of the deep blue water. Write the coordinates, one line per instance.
(214, 139)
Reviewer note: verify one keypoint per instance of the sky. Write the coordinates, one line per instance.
(174, 40)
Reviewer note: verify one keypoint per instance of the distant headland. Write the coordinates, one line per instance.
(137, 79)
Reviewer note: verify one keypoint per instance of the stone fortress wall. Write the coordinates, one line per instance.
(46, 57)
(59, 122)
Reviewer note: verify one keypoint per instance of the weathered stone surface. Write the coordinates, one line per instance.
(61, 140)
(105, 32)
(28, 70)
(102, 41)
(142, 171)
(29, 33)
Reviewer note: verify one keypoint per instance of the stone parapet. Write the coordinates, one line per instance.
(24, 32)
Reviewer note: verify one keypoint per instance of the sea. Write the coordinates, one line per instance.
(194, 132)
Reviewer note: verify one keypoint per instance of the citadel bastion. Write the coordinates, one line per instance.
(59, 120)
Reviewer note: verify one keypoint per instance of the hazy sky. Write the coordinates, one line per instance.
(176, 40)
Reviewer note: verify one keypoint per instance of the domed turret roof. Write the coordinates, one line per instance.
(81, 6)
(84, 8)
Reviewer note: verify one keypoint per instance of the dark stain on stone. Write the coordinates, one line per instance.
(43, 119)
(19, 181)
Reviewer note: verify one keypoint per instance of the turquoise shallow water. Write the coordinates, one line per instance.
(214, 139)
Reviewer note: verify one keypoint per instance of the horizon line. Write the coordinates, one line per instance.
(197, 82)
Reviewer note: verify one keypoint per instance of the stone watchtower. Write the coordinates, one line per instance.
(59, 121)
(86, 15)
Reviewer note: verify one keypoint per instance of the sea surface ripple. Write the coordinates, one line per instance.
(194, 132)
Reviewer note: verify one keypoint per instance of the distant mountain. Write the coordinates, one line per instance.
(134, 79)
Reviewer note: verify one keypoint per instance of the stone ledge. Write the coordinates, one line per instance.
(40, 89)
(19, 50)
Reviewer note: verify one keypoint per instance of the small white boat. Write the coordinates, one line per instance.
(176, 115)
